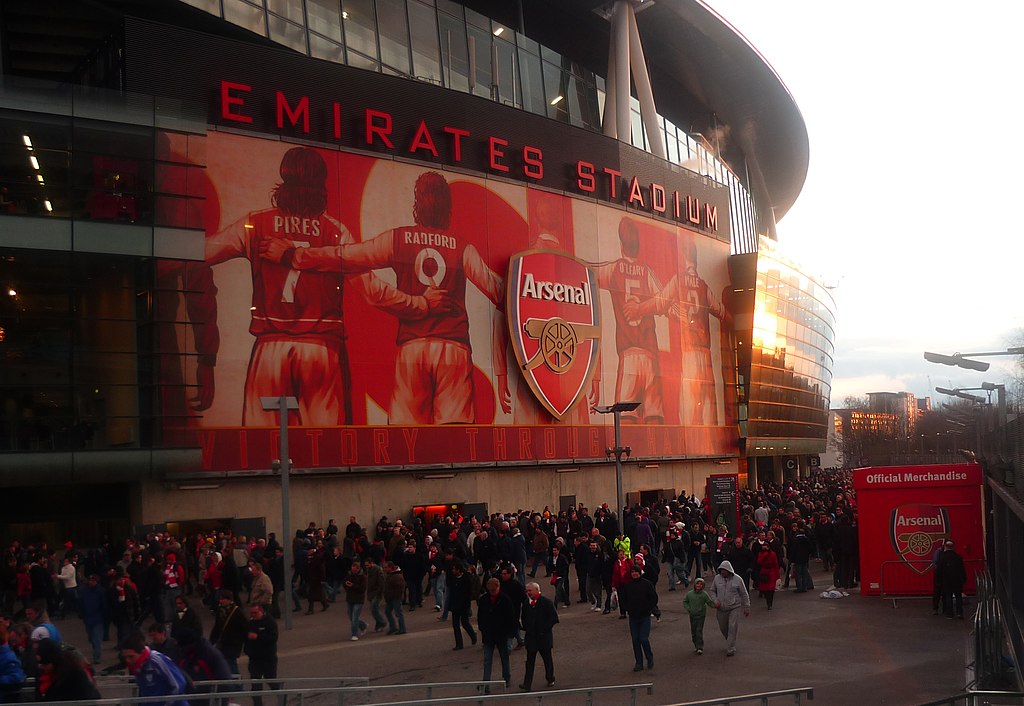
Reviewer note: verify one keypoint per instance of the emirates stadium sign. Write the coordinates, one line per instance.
(555, 326)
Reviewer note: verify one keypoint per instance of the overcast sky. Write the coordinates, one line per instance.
(913, 197)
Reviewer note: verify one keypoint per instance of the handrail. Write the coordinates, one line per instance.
(761, 697)
(971, 698)
(537, 696)
(301, 694)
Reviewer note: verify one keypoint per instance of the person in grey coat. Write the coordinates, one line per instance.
(729, 592)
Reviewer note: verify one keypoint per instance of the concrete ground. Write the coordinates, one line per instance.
(855, 651)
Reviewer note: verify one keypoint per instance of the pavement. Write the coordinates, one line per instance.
(854, 651)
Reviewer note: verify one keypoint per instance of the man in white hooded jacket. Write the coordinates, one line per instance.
(729, 593)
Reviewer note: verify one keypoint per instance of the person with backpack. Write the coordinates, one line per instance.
(154, 672)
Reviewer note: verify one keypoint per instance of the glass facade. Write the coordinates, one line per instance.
(72, 367)
(81, 326)
(446, 44)
(89, 158)
(788, 383)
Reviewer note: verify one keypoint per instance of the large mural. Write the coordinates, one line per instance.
(376, 292)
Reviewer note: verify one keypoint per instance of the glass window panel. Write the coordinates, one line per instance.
(506, 71)
(452, 8)
(454, 52)
(532, 82)
(287, 33)
(636, 124)
(289, 9)
(324, 17)
(426, 55)
(326, 49)
(362, 62)
(394, 34)
(573, 96)
(527, 44)
(360, 31)
(480, 50)
(475, 19)
(555, 88)
(244, 15)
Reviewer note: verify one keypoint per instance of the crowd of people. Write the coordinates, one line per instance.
(455, 565)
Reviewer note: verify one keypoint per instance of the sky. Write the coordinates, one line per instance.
(911, 208)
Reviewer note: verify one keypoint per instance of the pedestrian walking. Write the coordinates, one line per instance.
(460, 590)
(496, 617)
(730, 595)
(696, 603)
(639, 599)
(539, 620)
(394, 590)
(261, 647)
(767, 573)
(355, 597)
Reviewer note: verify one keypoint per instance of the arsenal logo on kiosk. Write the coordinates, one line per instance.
(554, 321)
(916, 532)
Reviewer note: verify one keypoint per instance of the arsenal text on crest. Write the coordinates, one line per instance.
(555, 291)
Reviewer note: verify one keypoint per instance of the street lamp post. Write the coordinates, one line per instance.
(282, 404)
(618, 450)
(962, 360)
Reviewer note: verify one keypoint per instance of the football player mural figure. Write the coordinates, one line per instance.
(297, 315)
(630, 281)
(689, 296)
(434, 363)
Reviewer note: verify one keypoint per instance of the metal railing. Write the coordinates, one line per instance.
(586, 692)
(915, 578)
(299, 696)
(762, 698)
(236, 688)
(981, 698)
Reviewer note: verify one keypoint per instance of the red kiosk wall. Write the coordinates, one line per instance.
(905, 513)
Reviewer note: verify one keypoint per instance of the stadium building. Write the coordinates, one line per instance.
(455, 234)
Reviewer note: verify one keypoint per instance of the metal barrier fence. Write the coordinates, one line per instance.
(915, 578)
(338, 695)
(763, 698)
(981, 698)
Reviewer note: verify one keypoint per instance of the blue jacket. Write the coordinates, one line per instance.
(159, 676)
(11, 674)
(92, 602)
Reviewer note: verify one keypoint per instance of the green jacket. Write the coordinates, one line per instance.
(697, 602)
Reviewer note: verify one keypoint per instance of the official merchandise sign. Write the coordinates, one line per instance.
(905, 513)
(555, 326)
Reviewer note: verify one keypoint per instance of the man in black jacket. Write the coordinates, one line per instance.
(539, 620)
(261, 646)
(741, 558)
(229, 630)
(459, 602)
(951, 576)
(640, 599)
(497, 620)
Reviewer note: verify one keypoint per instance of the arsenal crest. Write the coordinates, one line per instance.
(917, 531)
(555, 325)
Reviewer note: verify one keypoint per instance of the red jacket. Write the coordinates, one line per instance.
(768, 570)
(620, 573)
